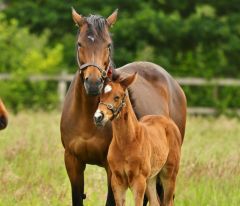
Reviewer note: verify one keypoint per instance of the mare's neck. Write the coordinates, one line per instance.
(125, 127)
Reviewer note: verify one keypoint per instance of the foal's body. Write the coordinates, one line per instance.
(141, 152)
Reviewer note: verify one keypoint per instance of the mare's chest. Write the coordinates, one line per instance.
(90, 146)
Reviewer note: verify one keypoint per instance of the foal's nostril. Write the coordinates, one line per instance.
(98, 117)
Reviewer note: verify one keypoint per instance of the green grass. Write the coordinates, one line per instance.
(32, 169)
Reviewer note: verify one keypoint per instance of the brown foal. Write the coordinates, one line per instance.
(141, 152)
(3, 116)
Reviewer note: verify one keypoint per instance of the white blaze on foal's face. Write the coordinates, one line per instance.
(107, 89)
(97, 114)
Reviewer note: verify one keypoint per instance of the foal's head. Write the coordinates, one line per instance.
(94, 47)
(112, 100)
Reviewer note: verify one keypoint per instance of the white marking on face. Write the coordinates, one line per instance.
(97, 113)
(91, 38)
(107, 89)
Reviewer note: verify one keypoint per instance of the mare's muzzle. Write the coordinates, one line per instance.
(93, 87)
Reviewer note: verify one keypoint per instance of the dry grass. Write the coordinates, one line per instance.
(32, 170)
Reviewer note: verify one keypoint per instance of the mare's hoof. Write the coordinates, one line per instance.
(83, 196)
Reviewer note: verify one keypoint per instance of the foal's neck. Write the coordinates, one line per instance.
(125, 127)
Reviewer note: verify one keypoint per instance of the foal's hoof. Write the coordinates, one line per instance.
(3, 122)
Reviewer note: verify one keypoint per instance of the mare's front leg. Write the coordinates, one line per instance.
(75, 170)
(110, 196)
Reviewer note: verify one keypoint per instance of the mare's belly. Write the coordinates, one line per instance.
(92, 150)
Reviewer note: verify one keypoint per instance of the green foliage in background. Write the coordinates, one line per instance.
(23, 54)
(187, 38)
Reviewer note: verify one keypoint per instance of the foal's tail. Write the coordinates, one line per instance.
(3, 116)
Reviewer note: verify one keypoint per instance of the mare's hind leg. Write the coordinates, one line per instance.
(168, 178)
(75, 170)
(151, 192)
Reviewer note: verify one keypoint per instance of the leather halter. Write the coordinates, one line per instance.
(104, 74)
(115, 111)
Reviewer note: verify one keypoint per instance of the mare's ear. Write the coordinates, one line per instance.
(126, 82)
(77, 18)
(112, 18)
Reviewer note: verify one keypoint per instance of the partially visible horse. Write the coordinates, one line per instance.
(141, 152)
(155, 92)
(3, 116)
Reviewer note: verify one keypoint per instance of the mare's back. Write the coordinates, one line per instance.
(155, 92)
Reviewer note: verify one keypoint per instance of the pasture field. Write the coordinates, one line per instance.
(32, 169)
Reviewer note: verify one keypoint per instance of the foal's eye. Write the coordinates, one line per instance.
(116, 98)
(109, 46)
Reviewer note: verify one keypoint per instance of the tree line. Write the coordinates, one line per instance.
(187, 38)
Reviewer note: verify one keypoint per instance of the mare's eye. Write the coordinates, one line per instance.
(116, 98)
(109, 46)
(79, 44)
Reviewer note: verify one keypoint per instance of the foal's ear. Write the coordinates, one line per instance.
(77, 18)
(112, 18)
(126, 82)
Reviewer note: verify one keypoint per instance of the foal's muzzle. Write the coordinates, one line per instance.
(98, 119)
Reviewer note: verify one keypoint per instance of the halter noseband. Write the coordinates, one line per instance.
(104, 74)
(102, 71)
(115, 111)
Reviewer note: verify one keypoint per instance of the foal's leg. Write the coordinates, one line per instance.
(119, 190)
(151, 192)
(110, 196)
(138, 187)
(75, 171)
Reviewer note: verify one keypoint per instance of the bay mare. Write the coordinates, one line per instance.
(154, 92)
(3, 116)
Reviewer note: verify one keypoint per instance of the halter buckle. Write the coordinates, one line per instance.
(104, 74)
(110, 106)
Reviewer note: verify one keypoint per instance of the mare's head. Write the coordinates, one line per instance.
(112, 100)
(3, 116)
(94, 47)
